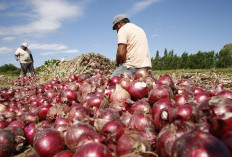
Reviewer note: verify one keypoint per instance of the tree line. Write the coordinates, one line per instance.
(200, 60)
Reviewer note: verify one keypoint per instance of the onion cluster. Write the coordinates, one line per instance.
(127, 115)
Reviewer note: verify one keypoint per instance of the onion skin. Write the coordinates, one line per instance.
(141, 106)
(138, 90)
(48, 142)
(93, 149)
(64, 153)
(199, 143)
(225, 93)
(169, 134)
(140, 121)
(227, 140)
(217, 110)
(132, 141)
(119, 94)
(7, 142)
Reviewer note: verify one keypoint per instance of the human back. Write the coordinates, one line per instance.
(137, 45)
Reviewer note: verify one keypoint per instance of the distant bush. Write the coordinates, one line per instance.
(9, 69)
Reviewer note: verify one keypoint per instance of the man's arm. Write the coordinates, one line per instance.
(121, 54)
(16, 57)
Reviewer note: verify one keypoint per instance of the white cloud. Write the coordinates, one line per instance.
(8, 38)
(3, 6)
(4, 50)
(59, 52)
(155, 35)
(47, 16)
(48, 46)
(139, 6)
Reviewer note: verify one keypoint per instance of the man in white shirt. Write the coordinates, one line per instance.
(23, 54)
(133, 51)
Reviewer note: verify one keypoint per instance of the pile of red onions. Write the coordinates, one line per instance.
(127, 115)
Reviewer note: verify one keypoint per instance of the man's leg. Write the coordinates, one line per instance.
(121, 69)
(31, 69)
(23, 69)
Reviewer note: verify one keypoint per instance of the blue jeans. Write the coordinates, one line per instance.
(123, 68)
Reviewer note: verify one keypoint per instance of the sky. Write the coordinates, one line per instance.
(56, 29)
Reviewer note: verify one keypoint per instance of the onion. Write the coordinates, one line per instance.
(120, 106)
(109, 91)
(89, 137)
(159, 92)
(138, 90)
(78, 113)
(19, 136)
(227, 140)
(64, 153)
(185, 112)
(93, 149)
(141, 106)
(125, 119)
(3, 97)
(183, 98)
(125, 82)
(7, 143)
(60, 121)
(30, 118)
(114, 80)
(163, 117)
(140, 121)
(3, 125)
(70, 95)
(119, 94)
(199, 143)
(225, 93)
(166, 80)
(132, 141)
(97, 102)
(74, 132)
(217, 111)
(17, 123)
(198, 90)
(112, 131)
(202, 97)
(30, 131)
(72, 77)
(43, 110)
(169, 134)
(141, 73)
(150, 135)
(48, 142)
(57, 111)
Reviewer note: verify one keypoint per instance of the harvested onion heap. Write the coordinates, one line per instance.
(127, 115)
(87, 63)
(25, 81)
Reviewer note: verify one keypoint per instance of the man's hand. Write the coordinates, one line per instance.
(115, 63)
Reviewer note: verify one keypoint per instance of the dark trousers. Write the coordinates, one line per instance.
(27, 66)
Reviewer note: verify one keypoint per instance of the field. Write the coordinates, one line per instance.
(54, 93)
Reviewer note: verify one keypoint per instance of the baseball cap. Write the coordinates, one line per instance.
(25, 44)
(117, 19)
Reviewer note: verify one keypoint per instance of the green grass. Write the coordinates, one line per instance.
(162, 72)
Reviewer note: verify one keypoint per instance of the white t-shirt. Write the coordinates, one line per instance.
(134, 37)
(24, 56)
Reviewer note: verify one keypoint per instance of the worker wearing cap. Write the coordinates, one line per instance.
(133, 51)
(23, 54)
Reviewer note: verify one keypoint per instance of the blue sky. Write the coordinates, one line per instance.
(57, 29)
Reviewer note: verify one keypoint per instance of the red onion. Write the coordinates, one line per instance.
(57, 111)
(30, 118)
(163, 117)
(183, 98)
(166, 80)
(70, 95)
(199, 143)
(64, 153)
(114, 80)
(198, 90)
(60, 121)
(2, 125)
(3, 97)
(17, 123)
(225, 93)
(89, 137)
(125, 82)
(30, 131)
(227, 140)
(150, 135)
(78, 113)
(138, 90)
(43, 110)
(109, 91)
(159, 92)
(97, 102)
(74, 132)
(217, 111)
(119, 106)
(141, 73)
(7, 143)
(139, 121)
(125, 119)
(48, 142)
(72, 77)
(19, 136)
(185, 112)
(141, 106)
(169, 134)
(119, 94)
(132, 141)
(202, 97)
(112, 131)
(93, 149)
